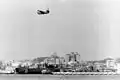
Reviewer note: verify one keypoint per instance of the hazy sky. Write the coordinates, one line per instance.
(90, 27)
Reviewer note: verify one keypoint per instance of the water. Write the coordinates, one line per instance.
(58, 77)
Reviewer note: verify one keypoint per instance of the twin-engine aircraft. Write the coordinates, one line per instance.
(41, 12)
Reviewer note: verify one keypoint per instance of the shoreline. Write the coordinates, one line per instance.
(62, 74)
(47, 75)
(85, 73)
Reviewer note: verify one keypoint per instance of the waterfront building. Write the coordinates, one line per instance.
(67, 58)
(62, 60)
(99, 65)
(77, 57)
(118, 67)
(45, 61)
(73, 56)
(57, 61)
(110, 63)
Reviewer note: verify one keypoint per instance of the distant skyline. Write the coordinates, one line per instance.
(90, 27)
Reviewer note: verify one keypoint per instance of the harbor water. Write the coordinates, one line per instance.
(57, 77)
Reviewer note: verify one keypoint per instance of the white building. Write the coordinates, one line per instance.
(118, 67)
(15, 64)
(111, 64)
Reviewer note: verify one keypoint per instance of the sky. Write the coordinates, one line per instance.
(90, 27)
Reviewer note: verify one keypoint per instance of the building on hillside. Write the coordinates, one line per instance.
(16, 64)
(52, 60)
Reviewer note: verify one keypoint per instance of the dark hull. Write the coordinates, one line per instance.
(21, 70)
(30, 71)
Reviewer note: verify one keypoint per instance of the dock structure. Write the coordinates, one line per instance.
(85, 73)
